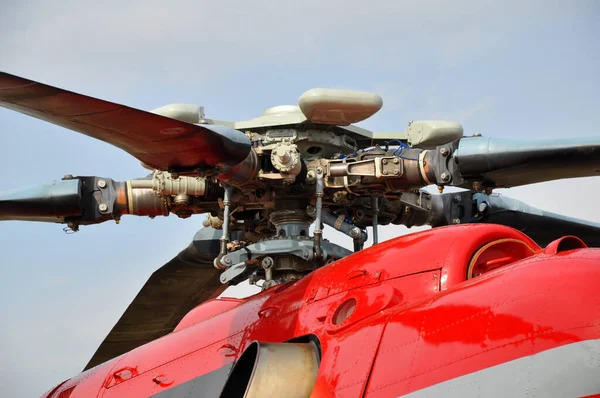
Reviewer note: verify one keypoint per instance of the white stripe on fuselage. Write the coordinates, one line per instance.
(572, 370)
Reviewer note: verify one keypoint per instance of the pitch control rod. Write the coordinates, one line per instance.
(225, 236)
(318, 233)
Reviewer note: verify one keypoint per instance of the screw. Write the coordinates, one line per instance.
(227, 260)
(445, 177)
(102, 207)
(444, 151)
(101, 184)
(384, 161)
(396, 160)
(385, 172)
(396, 171)
(455, 221)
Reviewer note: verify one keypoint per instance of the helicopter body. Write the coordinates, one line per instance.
(462, 309)
(453, 311)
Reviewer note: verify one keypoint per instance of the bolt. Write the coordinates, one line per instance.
(339, 196)
(266, 263)
(385, 172)
(396, 171)
(396, 160)
(311, 176)
(457, 198)
(227, 260)
(483, 206)
(311, 210)
(101, 184)
(282, 154)
(319, 170)
(384, 161)
(102, 207)
(355, 232)
(444, 151)
(455, 221)
(445, 177)
(223, 278)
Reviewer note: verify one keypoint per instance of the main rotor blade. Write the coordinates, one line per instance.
(160, 142)
(542, 226)
(467, 207)
(509, 163)
(171, 292)
(54, 202)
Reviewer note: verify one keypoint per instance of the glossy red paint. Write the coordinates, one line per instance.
(416, 321)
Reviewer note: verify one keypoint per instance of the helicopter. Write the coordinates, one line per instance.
(481, 303)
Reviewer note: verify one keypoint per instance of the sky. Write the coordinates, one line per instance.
(511, 69)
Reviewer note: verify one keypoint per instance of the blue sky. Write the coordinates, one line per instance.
(503, 69)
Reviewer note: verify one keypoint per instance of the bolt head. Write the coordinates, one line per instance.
(456, 221)
(457, 198)
(384, 172)
(445, 177)
(444, 151)
(102, 207)
(267, 262)
(384, 161)
(101, 184)
(227, 260)
(396, 160)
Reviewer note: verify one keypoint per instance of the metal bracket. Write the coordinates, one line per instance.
(445, 166)
(378, 167)
(237, 262)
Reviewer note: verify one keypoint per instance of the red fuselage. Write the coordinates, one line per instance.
(398, 318)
